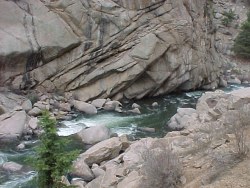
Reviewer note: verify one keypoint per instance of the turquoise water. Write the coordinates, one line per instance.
(120, 123)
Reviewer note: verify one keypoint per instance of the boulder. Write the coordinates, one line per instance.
(12, 166)
(112, 105)
(82, 170)
(98, 103)
(105, 150)
(135, 111)
(94, 134)
(182, 118)
(85, 107)
(132, 156)
(27, 105)
(135, 105)
(33, 123)
(96, 183)
(97, 171)
(133, 180)
(35, 111)
(65, 107)
(79, 183)
(12, 124)
(8, 101)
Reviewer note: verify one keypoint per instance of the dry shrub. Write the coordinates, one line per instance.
(161, 168)
(239, 121)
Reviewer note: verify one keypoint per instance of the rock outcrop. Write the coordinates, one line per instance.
(112, 48)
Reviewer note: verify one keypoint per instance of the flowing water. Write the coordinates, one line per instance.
(120, 123)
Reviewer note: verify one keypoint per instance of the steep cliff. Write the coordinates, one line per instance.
(108, 48)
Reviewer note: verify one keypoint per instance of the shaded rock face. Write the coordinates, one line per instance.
(111, 48)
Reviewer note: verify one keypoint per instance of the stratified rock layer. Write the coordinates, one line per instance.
(99, 49)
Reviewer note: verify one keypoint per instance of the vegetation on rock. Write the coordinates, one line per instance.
(242, 42)
(228, 17)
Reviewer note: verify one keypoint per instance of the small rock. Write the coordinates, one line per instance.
(155, 104)
(146, 129)
(135, 105)
(40, 105)
(234, 81)
(21, 146)
(44, 97)
(135, 111)
(12, 166)
(118, 109)
(65, 107)
(65, 180)
(33, 123)
(78, 182)
(27, 105)
(218, 15)
(35, 111)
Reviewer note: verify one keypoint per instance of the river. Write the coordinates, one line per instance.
(120, 123)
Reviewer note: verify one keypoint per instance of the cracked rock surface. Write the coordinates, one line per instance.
(112, 48)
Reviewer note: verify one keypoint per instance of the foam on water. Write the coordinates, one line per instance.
(18, 181)
(118, 123)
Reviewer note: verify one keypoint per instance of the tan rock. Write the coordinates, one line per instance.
(105, 150)
(94, 134)
(85, 107)
(82, 170)
(33, 123)
(12, 166)
(133, 180)
(12, 125)
(98, 103)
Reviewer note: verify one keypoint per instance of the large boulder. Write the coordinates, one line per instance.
(105, 150)
(85, 107)
(12, 124)
(8, 101)
(112, 105)
(98, 103)
(182, 118)
(82, 170)
(94, 134)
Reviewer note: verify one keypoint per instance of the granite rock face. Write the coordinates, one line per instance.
(112, 48)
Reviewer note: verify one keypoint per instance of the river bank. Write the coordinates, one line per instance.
(120, 123)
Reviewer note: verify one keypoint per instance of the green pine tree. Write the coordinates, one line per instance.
(51, 160)
(242, 42)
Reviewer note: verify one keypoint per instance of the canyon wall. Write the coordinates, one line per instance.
(108, 48)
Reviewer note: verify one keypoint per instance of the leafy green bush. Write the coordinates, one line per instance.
(228, 17)
(242, 42)
(51, 160)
